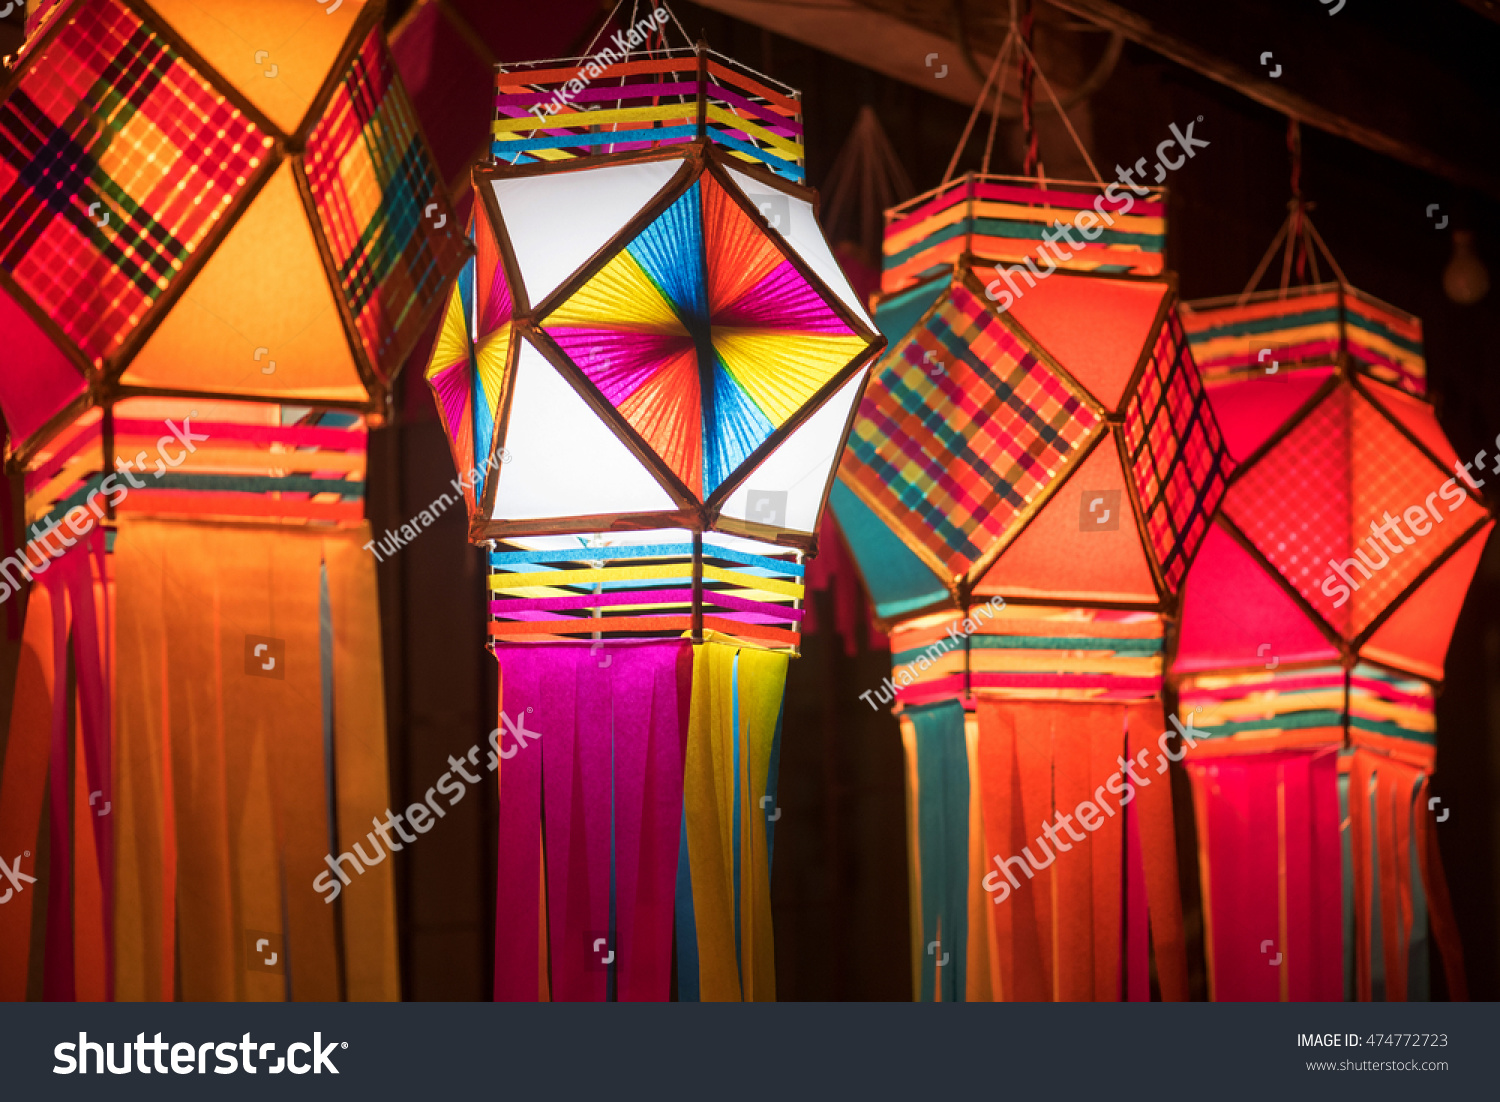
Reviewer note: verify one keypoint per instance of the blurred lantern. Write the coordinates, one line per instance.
(223, 236)
(649, 367)
(1315, 624)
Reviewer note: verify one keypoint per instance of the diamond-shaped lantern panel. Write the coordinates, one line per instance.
(235, 203)
(637, 345)
(1037, 433)
(1348, 520)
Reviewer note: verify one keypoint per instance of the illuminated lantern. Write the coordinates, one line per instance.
(649, 367)
(1026, 482)
(223, 234)
(1315, 625)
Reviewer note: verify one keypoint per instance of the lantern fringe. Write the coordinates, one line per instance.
(224, 779)
(658, 767)
(1350, 914)
(1081, 926)
(48, 764)
(729, 816)
(1390, 830)
(584, 910)
(1268, 851)
(202, 774)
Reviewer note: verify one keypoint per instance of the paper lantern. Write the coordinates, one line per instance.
(1032, 469)
(649, 368)
(234, 221)
(225, 234)
(1315, 624)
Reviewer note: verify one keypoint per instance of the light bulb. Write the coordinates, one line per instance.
(1465, 280)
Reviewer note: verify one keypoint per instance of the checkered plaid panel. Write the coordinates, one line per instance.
(1177, 456)
(960, 430)
(372, 182)
(116, 159)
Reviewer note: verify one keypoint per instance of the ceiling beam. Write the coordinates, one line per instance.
(1274, 95)
(914, 55)
(869, 38)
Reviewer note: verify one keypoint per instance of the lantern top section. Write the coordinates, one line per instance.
(578, 110)
(993, 219)
(189, 215)
(1247, 336)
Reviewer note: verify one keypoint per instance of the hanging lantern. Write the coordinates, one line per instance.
(252, 237)
(648, 371)
(1315, 625)
(1031, 471)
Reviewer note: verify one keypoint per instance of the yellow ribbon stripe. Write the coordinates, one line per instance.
(727, 117)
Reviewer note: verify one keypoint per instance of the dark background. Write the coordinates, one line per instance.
(1426, 73)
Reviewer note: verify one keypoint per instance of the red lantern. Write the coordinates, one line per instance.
(1315, 624)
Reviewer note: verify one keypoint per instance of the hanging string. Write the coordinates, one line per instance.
(658, 40)
(589, 49)
(678, 24)
(1327, 253)
(989, 141)
(1067, 122)
(989, 79)
(1302, 241)
(1304, 223)
(865, 180)
(1296, 245)
(1016, 38)
(1028, 91)
(1294, 147)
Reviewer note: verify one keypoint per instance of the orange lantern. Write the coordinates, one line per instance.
(1028, 478)
(223, 235)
